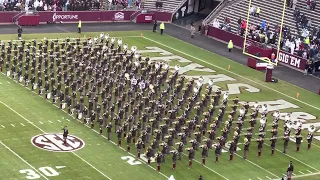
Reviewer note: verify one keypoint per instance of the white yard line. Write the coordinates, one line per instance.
(58, 120)
(22, 124)
(309, 171)
(259, 178)
(225, 69)
(304, 175)
(40, 122)
(295, 159)
(50, 121)
(3, 126)
(12, 125)
(301, 172)
(23, 160)
(8, 82)
(268, 177)
(44, 132)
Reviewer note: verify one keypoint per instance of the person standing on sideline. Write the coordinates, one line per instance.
(162, 28)
(79, 26)
(193, 31)
(230, 45)
(20, 33)
(155, 24)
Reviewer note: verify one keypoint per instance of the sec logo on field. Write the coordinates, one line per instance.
(54, 142)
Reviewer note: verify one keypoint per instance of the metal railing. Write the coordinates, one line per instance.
(16, 17)
(178, 7)
(134, 15)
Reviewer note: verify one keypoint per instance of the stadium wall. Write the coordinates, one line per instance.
(285, 58)
(84, 16)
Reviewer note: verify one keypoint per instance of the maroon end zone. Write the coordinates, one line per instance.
(54, 142)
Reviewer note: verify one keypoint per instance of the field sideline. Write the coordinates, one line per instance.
(20, 121)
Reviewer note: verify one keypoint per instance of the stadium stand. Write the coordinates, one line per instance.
(271, 15)
(165, 5)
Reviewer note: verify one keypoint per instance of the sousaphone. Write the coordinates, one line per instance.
(119, 42)
(311, 129)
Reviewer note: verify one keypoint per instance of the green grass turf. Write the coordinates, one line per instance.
(106, 157)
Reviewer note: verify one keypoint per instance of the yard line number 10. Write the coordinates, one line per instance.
(33, 174)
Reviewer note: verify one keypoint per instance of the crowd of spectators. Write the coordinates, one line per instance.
(68, 5)
(306, 44)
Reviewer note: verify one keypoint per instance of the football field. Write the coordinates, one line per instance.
(31, 145)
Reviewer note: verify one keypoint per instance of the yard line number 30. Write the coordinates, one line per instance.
(32, 174)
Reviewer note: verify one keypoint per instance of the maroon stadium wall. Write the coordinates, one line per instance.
(285, 58)
(85, 16)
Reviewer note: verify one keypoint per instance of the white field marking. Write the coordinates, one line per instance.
(259, 178)
(50, 121)
(44, 132)
(22, 124)
(293, 174)
(295, 159)
(304, 175)
(268, 177)
(8, 82)
(208, 168)
(284, 174)
(58, 120)
(225, 69)
(68, 119)
(23, 160)
(0, 82)
(12, 125)
(59, 167)
(93, 129)
(3, 126)
(309, 171)
(40, 122)
(255, 164)
(301, 172)
(104, 137)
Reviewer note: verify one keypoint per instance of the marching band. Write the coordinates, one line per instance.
(96, 81)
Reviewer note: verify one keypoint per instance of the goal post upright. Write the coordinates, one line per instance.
(280, 34)
(265, 59)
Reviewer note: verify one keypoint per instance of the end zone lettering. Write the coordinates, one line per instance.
(290, 60)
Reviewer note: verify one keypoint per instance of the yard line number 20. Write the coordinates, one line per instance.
(32, 174)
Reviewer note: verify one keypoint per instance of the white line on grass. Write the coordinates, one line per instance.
(259, 178)
(309, 171)
(44, 132)
(22, 124)
(268, 177)
(295, 159)
(58, 120)
(3, 126)
(8, 82)
(23, 160)
(12, 125)
(224, 69)
(50, 121)
(40, 122)
(93, 130)
(304, 175)
(293, 174)
(301, 172)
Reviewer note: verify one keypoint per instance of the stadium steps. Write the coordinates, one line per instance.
(314, 15)
(272, 15)
(167, 6)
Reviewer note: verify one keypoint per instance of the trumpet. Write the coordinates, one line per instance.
(167, 137)
(192, 141)
(188, 149)
(180, 134)
(203, 146)
(178, 143)
(196, 133)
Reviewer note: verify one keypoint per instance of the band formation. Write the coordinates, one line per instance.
(103, 82)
